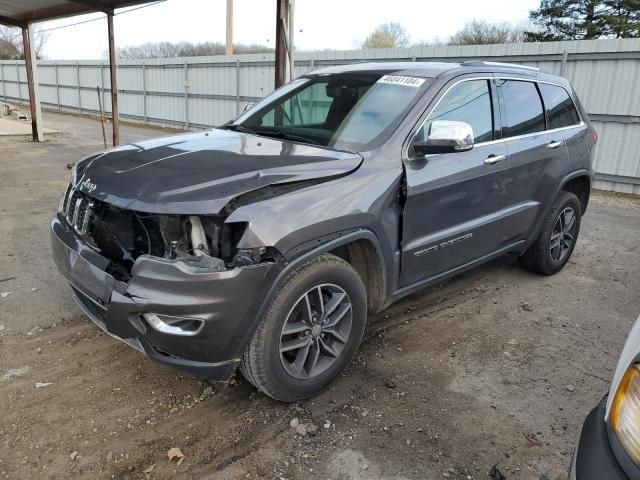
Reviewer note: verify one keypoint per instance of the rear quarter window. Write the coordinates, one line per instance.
(560, 109)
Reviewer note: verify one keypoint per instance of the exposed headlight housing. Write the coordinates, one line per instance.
(625, 413)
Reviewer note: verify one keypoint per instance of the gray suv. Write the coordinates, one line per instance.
(264, 243)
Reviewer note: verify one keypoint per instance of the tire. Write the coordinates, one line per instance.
(279, 372)
(543, 258)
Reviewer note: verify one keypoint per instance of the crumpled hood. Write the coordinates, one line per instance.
(200, 173)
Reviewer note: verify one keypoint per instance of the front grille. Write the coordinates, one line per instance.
(77, 209)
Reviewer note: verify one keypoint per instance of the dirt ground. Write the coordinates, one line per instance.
(497, 366)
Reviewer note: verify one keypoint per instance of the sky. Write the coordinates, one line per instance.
(320, 24)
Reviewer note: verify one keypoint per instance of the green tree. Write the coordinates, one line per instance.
(387, 35)
(585, 20)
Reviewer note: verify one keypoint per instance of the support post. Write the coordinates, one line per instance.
(19, 84)
(104, 104)
(290, 24)
(281, 45)
(32, 81)
(144, 90)
(4, 83)
(237, 87)
(229, 46)
(114, 82)
(79, 91)
(57, 86)
(563, 65)
(186, 96)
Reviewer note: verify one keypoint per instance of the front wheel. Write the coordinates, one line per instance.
(310, 332)
(557, 239)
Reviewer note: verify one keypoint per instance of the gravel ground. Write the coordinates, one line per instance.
(495, 367)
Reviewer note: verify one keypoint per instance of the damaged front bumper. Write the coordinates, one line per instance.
(225, 302)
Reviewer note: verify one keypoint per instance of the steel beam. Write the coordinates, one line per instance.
(32, 81)
(114, 82)
(12, 22)
(94, 5)
(229, 39)
(282, 13)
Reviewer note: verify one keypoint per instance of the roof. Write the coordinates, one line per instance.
(21, 12)
(431, 69)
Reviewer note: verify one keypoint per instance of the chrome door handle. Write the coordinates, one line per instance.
(491, 159)
(554, 144)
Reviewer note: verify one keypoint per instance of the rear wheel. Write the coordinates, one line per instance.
(310, 332)
(557, 239)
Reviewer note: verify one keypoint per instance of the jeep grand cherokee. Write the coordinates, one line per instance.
(262, 244)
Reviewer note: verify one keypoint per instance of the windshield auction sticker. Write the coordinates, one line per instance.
(402, 80)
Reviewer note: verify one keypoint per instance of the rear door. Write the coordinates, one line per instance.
(537, 156)
(452, 210)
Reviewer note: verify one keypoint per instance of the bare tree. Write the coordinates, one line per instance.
(11, 43)
(480, 32)
(387, 35)
(184, 49)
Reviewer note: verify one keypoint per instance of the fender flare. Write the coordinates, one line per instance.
(583, 172)
(342, 239)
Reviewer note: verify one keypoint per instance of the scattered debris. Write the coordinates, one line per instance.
(5, 294)
(390, 383)
(2, 327)
(544, 476)
(43, 384)
(571, 388)
(533, 439)
(7, 279)
(73, 456)
(294, 422)
(526, 307)
(109, 456)
(13, 373)
(175, 453)
(150, 469)
(327, 424)
(495, 474)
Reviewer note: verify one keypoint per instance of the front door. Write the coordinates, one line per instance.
(452, 213)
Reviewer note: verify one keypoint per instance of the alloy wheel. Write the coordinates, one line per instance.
(316, 331)
(563, 235)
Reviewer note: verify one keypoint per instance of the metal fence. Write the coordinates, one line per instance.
(202, 92)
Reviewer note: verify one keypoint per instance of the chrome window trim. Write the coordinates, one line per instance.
(501, 140)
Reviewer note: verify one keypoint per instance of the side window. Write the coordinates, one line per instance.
(522, 109)
(470, 102)
(561, 112)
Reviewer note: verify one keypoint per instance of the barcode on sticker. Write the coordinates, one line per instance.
(402, 80)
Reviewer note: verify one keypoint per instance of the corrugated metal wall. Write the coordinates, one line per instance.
(206, 91)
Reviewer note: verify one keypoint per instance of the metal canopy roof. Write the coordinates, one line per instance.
(21, 12)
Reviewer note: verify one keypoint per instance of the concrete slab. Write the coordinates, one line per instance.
(16, 128)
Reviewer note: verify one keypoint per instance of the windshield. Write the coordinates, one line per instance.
(355, 111)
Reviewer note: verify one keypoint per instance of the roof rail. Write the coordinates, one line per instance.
(482, 63)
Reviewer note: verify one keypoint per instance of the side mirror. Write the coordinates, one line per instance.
(446, 136)
(248, 107)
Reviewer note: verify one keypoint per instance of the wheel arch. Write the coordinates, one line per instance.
(580, 185)
(360, 248)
